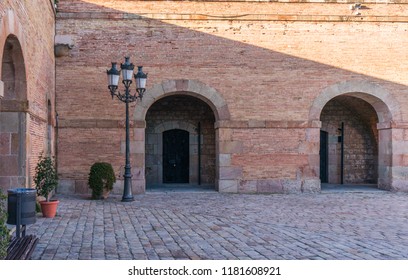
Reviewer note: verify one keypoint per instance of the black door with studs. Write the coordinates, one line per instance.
(176, 156)
(324, 156)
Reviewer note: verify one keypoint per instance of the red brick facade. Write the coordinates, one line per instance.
(27, 86)
(266, 69)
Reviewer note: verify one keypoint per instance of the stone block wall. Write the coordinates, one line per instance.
(181, 112)
(360, 140)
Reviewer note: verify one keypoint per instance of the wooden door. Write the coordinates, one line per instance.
(176, 156)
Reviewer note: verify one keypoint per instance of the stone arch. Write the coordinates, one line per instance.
(192, 88)
(186, 87)
(13, 74)
(184, 125)
(383, 102)
(10, 25)
(387, 110)
(14, 167)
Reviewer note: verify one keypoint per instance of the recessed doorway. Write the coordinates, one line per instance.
(176, 156)
(180, 145)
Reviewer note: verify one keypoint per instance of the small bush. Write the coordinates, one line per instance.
(4, 232)
(101, 177)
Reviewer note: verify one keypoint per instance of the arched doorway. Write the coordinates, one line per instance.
(348, 142)
(13, 117)
(200, 93)
(379, 123)
(180, 144)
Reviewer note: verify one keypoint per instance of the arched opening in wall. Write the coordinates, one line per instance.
(349, 142)
(13, 118)
(180, 145)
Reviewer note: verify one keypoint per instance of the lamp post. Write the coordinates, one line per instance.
(127, 97)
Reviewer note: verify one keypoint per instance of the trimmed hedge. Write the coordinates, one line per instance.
(101, 176)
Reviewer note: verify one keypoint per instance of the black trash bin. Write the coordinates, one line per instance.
(21, 207)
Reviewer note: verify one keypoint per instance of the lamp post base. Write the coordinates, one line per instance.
(127, 199)
(127, 189)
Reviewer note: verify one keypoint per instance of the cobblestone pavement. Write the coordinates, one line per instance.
(372, 225)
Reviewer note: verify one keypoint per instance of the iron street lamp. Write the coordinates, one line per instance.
(127, 97)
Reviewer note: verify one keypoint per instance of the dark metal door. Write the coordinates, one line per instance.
(324, 156)
(176, 156)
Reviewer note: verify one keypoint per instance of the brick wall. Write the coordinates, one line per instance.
(269, 61)
(29, 25)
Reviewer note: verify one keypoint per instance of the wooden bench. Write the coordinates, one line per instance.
(21, 248)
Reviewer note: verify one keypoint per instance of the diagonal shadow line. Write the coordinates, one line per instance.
(223, 55)
(81, 10)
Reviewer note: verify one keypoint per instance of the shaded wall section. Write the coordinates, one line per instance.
(181, 112)
(360, 140)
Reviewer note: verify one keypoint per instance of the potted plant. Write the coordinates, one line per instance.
(46, 180)
(101, 179)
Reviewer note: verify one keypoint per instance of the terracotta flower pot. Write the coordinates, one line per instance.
(49, 208)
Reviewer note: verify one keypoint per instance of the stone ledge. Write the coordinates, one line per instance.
(228, 186)
(14, 105)
(269, 186)
(99, 123)
(388, 2)
(389, 125)
(267, 124)
(244, 17)
(103, 123)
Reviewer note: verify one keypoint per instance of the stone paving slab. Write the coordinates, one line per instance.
(195, 225)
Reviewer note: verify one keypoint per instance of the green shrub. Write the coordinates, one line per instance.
(101, 177)
(4, 232)
(46, 178)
